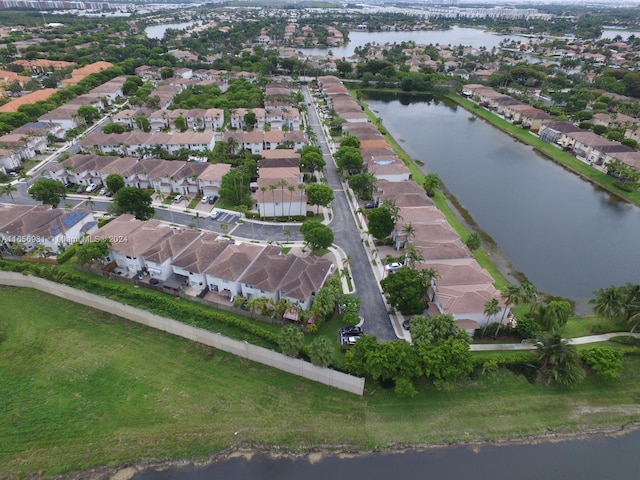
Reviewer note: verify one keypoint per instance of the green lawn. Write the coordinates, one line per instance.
(81, 388)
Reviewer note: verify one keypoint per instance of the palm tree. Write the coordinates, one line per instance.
(412, 256)
(491, 309)
(608, 303)
(529, 294)
(291, 189)
(41, 250)
(559, 361)
(272, 189)
(409, 231)
(8, 189)
(89, 201)
(512, 295)
(283, 183)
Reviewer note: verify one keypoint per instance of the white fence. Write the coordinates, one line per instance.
(261, 355)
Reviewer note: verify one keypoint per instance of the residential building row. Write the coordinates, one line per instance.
(164, 176)
(55, 228)
(462, 287)
(583, 144)
(205, 261)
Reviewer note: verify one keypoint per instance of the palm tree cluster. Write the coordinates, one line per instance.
(618, 304)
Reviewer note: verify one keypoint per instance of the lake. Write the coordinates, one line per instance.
(597, 458)
(568, 237)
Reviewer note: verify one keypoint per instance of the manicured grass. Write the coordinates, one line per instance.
(81, 388)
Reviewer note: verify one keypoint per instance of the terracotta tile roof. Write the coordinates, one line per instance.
(29, 98)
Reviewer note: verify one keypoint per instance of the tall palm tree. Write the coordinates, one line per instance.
(413, 256)
(530, 295)
(283, 183)
(409, 231)
(8, 189)
(272, 189)
(41, 250)
(90, 203)
(291, 189)
(512, 295)
(491, 309)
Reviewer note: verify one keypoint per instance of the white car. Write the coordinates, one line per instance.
(91, 187)
(205, 199)
(393, 267)
(178, 198)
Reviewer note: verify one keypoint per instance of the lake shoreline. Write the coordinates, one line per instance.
(315, 453)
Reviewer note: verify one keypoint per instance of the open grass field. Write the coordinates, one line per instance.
(81, 388)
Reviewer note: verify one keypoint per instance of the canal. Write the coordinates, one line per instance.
(568, 237)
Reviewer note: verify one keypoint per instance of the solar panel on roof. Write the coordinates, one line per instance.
(73, 218)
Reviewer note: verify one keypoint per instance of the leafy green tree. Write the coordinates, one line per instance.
(381, 223)
(350, 141)
(527, 327)
(555, 314)
(393, 360)
(250, 120)
(235, 186)
(473, 241)
(135, 201)
(316, 235)
(114, 182)
(355, 359)
(606, 362)
(131, 85)
(90, 252)
(319, 194)
(290, 340)
(326, 300)
(88, 113)
(181, 123)
(312, 162)
(166, 72)
(436, 329)
(445, 362)
(114, 128)
(143, 123)
(431, 183)
(559, 361)
(405, 388)
(349, 159)
(321, 352)
(363, 185)
(48, 191)
(406, 290)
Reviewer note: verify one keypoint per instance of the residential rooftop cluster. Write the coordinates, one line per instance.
(463, 286)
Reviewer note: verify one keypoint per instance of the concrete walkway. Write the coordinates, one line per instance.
(531, 346)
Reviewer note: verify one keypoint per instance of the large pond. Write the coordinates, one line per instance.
(157, 31)
(594, 459)
(568, 237)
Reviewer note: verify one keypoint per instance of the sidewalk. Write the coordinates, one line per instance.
(531, 346)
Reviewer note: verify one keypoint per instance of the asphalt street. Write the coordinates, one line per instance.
(349, 238)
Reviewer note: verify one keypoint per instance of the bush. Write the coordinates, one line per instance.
(67, 254)
(606, 362)
(527, 327)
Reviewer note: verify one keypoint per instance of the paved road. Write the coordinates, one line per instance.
(348, 238)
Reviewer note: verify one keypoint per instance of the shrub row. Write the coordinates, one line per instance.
(183, 311)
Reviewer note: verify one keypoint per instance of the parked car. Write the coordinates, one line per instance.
(80, 189)
(102, 191)
(215, 214)
(91, 187)
(109, 193)
(212, 199)
(351, 331)
(178, 198)
(369, 205)
(393, 267)
(205, 199)
(349, 340)
(406, 324)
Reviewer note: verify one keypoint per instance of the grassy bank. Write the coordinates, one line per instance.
(563, 158)
(81, 388)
